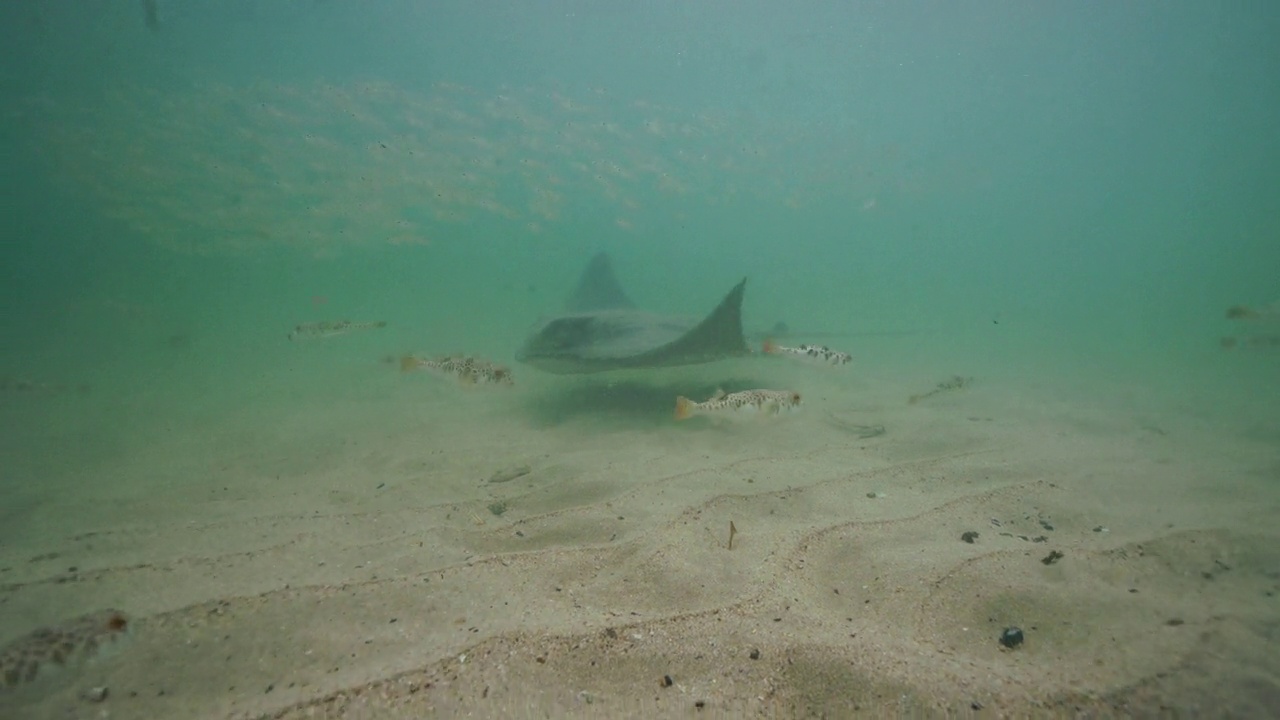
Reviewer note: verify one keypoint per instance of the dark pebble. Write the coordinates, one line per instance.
(1174, 622)
(1011, 637)
(666, 681)
(700, 704)
(1053, 557)
(969, 536)
(755, 654)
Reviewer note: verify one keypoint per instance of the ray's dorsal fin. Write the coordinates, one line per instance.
(598, 288)
(718, 335)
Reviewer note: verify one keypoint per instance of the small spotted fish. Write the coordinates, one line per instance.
(1250, 342)
(43, 389)
(1245, 312)
(151, 15)
(465, 369)
(820, 354)
(956, 382)
(330, 329)
(745, 403)
(34, 663)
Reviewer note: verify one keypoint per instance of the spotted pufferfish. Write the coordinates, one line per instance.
(739, 404)
(466, 369)
(820, 354)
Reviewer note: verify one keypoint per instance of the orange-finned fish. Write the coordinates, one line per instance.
(820, 354)
(465, 369)
(747, 402)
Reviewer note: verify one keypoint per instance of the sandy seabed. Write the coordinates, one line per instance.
(404, 549)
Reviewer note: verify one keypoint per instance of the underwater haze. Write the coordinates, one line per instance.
(1045, 234)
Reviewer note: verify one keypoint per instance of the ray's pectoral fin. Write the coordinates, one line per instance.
(719, 335)
(598, 288)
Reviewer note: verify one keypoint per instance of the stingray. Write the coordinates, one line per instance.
(603, 330)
